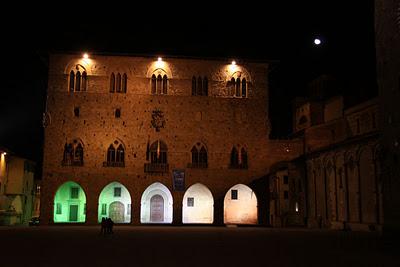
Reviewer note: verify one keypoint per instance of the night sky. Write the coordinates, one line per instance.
(272, 31)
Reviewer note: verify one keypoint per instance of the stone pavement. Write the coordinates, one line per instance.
(191, 246)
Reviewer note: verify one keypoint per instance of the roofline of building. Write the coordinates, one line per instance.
(148, 55)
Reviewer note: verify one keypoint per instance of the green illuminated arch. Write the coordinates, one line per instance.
(70, 204)
(115, 203)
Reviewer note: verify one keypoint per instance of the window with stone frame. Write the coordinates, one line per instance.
(159, 83)
(117, 191)
(190, 201)
(115, 155)
(73, 154)
(78, 79)
(199, 86)
(239, 158)
(238, 86)
(234, 194)
(199, 156)
(118, 82)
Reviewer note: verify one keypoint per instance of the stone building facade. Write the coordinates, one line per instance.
(387, 40)
(145, 140)
(342, 158)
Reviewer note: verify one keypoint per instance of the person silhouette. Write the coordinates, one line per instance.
(110, 225)
(103, 226)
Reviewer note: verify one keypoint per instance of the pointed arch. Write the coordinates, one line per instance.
(237, 94)
(124, 83)
(115, 203)
(84, 81)
(153, 84)
(156, 204)
(118, 85)
(77, 81)
(71, 81)
(198, 205)
(112, 83)
(69, 204)
(234, 163)
(158, 152)
(240, 205)
(244, 88)
(165, 84)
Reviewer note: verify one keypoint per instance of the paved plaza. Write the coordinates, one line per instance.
(191, 246)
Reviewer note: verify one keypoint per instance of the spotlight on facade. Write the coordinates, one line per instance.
(4, 153)
(233, 62)
(317, 41)
(159, 59)
(85, 56)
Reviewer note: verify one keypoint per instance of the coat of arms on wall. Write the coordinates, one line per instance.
(158, 120)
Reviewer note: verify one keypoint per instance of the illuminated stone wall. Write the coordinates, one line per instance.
(69, 208)
(109, 199)
(218, 121)
(198, 205)
(243, 209)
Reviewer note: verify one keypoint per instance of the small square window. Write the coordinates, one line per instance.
(286, 194)
(76, 111)
(285, 179)
(118, 113)
(234, 194)
(58, 208)
(74, 192)
(190, 201)
(117, 191)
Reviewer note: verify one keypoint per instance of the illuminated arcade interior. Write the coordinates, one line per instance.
(156, 204)
(115, 203)
(70, 204)
(240, 205)
(198, 205)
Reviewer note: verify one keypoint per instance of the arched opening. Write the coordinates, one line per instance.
(84, 80)
(165, 84)
(156, 204)
(159, 83)
(240, 205)
(244, 88)
(115, 203)
(124, 83)
(198, 205)
(199, 86)
(71, 81)
(205, 86)
(70, 204)
(78, 82)
(118, 89)
(153, 84)
(194, 86)
(112, 83)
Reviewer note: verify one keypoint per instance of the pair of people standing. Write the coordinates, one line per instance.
(106, 226)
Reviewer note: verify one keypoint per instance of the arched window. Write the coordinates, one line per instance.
(118, 89)
(194, 86)
(112, 83)
(73, 154)
(232, 87)
(84, 80)
(124, 83)
(78, 82)
(199, 86)
(153, 84)
(165, 84)
(159, 83)
(158, 152)
(110, 154)
(234, 158)
(205, 86)
(244, 88)
(195, 156)
(120, 154)
(71, 81)
(238, 87)
(79, 154)
(199, 156)
(203, 156)
(243, 159)
(115, 158)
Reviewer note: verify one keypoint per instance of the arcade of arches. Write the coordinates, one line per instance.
(156, 206)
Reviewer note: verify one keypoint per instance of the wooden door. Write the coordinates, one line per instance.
(156, 209)
(117, 212)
